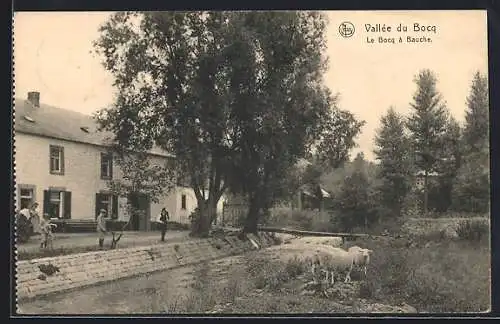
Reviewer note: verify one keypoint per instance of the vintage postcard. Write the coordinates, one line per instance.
(251, 162)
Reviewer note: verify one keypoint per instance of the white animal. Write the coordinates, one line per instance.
(361, 257)
(332, 261)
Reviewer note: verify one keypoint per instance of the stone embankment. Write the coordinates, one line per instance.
(45, 276)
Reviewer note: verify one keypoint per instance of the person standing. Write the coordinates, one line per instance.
(163, 219)
(46, 232)
(101, 226)
(35, 218)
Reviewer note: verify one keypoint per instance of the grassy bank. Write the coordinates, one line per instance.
(447, 276)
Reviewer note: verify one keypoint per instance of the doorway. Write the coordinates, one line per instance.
(141, 219)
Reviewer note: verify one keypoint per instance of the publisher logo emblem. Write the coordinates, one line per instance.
(346, 29)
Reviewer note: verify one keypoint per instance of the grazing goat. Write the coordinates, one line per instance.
(361, 257)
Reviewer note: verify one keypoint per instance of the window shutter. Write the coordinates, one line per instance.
(67, 205)
(46, 202)
(98, 199)
(114, 206)
(50, 159)
(62, 160)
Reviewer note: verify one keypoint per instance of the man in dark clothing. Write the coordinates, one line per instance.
(163, 223)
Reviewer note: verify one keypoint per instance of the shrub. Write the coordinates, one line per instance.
(309, 220)
(302, 219)
(473, 229)
(449, 277)
(272, 275)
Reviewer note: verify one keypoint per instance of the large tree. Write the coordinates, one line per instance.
(355, 200)
(283, 101)
(284, 109)
(427, 124)
(447, 165)
(235, 103)
(476, 130)
(393, 152)
(471, 186)
(175, 76)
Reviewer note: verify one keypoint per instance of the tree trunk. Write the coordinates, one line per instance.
(252, 218)
(212, 210)
(426, 193)
(200, 225)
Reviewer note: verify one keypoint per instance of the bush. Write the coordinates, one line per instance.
(272, 275)
(473, 229)
(449, 277)
(309, 220)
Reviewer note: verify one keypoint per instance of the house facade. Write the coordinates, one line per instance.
(61, 161)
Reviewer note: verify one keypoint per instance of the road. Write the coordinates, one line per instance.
(83, 240)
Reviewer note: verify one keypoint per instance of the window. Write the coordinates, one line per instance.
(106, 166)
(107, 202)
(26, 197)
(183, 202)
(57, 203)
(56, 159)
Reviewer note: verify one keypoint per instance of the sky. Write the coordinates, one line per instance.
(53, 55)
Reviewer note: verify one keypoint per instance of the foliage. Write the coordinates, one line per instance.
(357, 199)
(309, 220)
(448, 277)
(338, 139)
(473, 229)
(471, 191)
(471, 186)
(174, 72)
(393, 152)
(237, 105)
(272, 275)
(288, 103)
(476, 130)
(139, 176)
(447, 166)
(427, 125)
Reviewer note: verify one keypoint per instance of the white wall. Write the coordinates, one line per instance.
(81, 171)
(82, 178)
(81, 175)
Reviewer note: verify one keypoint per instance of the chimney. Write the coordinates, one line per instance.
(34, 98)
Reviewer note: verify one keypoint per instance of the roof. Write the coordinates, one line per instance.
(430, 174)
(50, 121)
(309, 190)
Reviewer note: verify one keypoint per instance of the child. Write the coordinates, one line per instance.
(46, 231)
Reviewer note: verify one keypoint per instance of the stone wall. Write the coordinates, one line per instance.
(45, 276)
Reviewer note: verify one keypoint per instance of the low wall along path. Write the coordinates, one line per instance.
(56, 274)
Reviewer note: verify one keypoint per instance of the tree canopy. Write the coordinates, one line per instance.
(235, 103)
